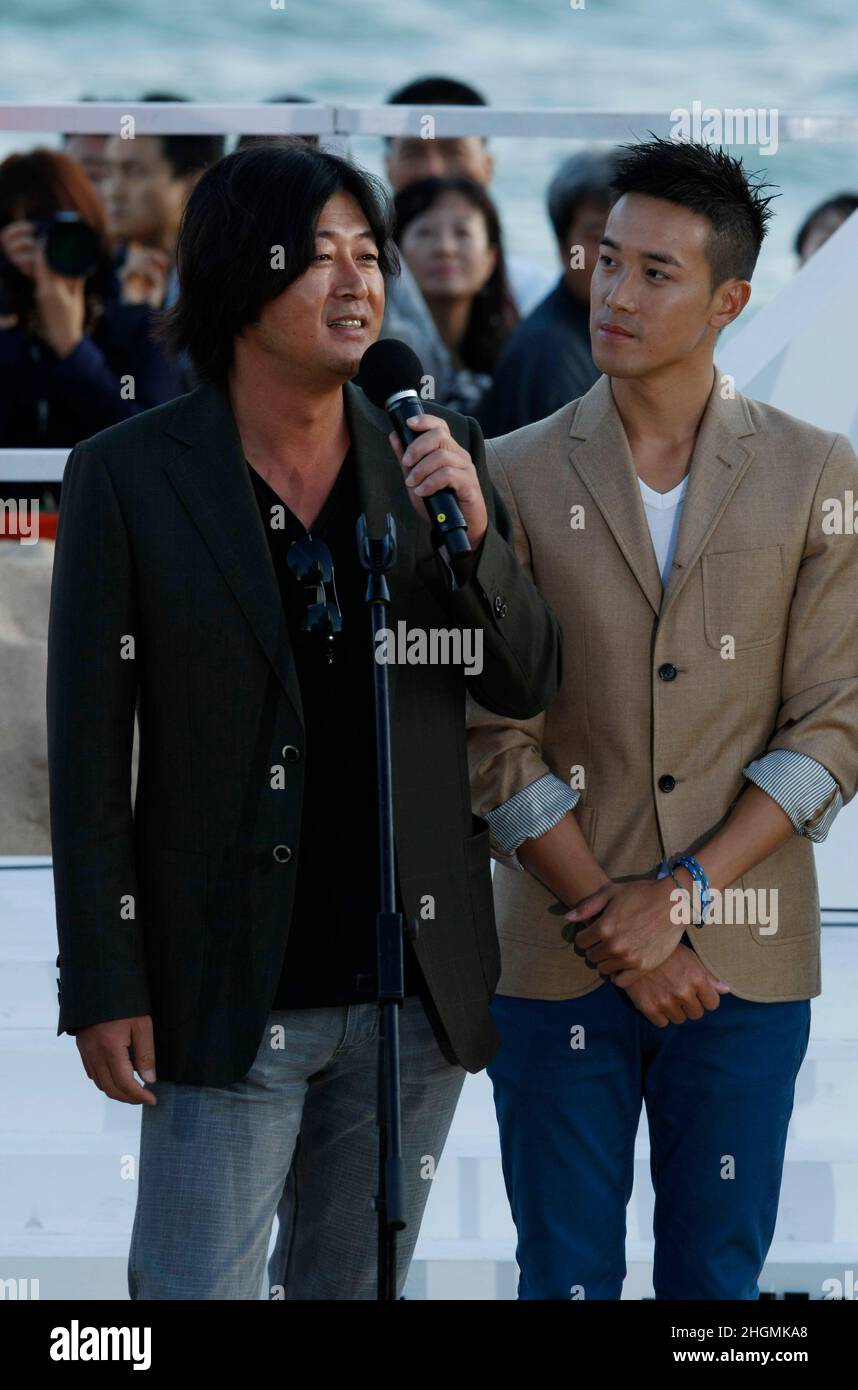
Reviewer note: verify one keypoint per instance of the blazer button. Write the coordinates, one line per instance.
(500, 606)
(291, 753)
(282, 853)
(667, 672)
(666, 782)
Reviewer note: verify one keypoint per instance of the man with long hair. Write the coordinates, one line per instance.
(221, 940)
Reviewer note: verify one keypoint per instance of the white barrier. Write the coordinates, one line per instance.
(812, 379)
(319, 118)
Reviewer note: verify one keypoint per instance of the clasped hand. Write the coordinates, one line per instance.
(628, 936)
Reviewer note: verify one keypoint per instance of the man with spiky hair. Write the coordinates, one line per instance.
(705, 736)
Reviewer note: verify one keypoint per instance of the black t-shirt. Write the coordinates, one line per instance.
(332, 936)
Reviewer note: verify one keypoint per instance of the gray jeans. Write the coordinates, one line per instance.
(296, 1137)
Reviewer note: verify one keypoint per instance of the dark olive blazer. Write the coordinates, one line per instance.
(165, 603)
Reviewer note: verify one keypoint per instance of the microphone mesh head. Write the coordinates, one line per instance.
(389, 366)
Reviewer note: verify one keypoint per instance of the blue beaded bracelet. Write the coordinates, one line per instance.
(698, 874)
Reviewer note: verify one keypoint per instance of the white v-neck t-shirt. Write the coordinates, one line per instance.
(663, 511)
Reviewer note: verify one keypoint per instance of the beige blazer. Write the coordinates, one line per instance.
(755, 563)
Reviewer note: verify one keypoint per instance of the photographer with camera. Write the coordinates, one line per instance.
(75, 350)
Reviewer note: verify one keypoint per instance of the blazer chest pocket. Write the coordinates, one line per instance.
(743, 596)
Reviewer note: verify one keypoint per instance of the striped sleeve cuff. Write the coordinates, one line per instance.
(528, 814)
(801, 786)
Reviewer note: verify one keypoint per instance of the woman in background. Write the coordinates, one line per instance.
(449, 232)
(75, 353)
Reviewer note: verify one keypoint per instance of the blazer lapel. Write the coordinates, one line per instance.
(381, 489)
(380, 482)
(717, 465)
(603, 459)
(211, 478)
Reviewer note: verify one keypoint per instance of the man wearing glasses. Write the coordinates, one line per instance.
(220, 939)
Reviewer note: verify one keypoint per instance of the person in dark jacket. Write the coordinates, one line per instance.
(547, 361)
(75, 357)
(221, 939)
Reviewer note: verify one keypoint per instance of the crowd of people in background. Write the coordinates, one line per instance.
(88, 262)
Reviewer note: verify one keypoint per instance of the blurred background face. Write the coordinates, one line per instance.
(302, 330)
(411, 159)
(585, 231)
(143, 198)
(89, 151)
(822, 228)
(647, 312)
(447, 248)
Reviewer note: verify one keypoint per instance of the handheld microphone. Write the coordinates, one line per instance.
(390, 375)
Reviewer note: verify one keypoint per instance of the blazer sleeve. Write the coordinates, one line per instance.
(522, 657)
(818, 715)
(91, 701)
(505, 754)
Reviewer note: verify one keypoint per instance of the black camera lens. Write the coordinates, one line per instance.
(71, 245)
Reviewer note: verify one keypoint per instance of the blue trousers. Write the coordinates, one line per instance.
(569, 1080)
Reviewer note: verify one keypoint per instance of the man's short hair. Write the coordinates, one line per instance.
(583, 178)
(704, 179)
(435, 91)
(187, 154)
(843, 204)
(243, 208)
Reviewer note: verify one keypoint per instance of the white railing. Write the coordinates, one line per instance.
(335, 124)
(323, 119)
(33, 465)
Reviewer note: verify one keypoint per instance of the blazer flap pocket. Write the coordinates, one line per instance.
(743, 596)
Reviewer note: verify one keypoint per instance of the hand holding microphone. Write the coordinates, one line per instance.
(433, 462)
(439, 474)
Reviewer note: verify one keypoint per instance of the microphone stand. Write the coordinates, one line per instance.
(377, 556)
